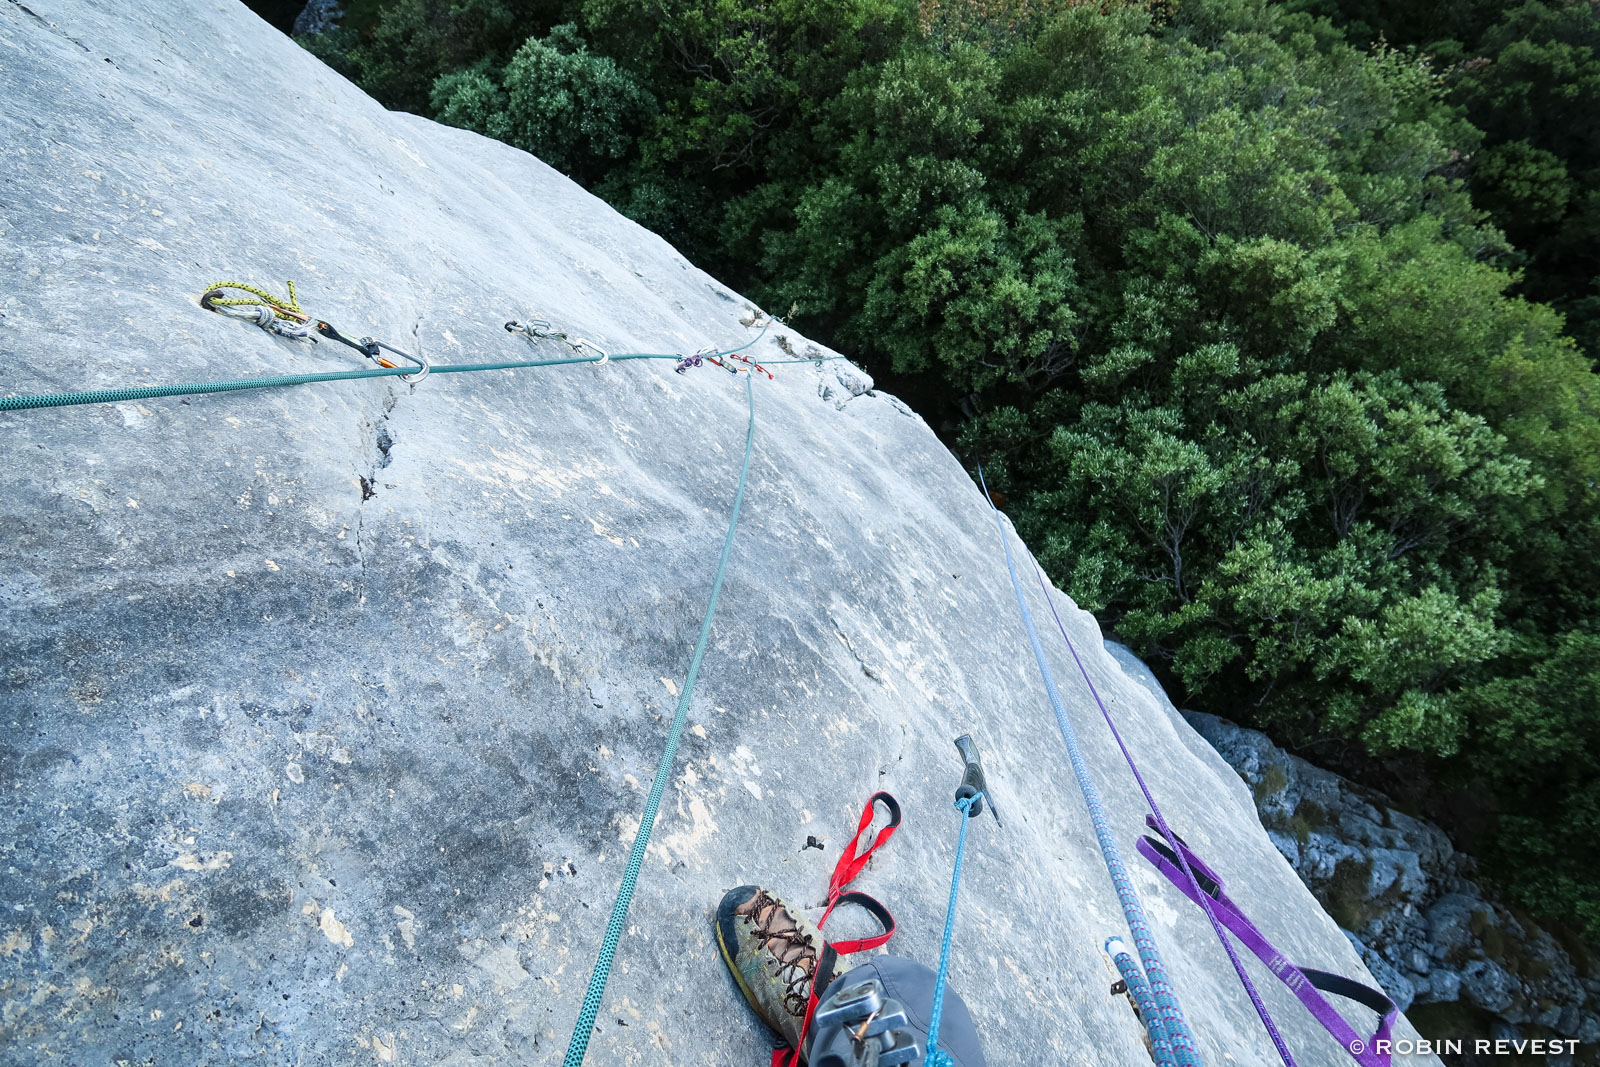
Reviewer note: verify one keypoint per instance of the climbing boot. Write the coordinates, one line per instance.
(773, 953)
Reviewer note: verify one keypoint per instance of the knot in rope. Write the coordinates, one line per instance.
(273, 314)
(215, 298)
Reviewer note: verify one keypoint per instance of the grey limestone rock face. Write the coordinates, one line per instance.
(1406, 898)
(330, 712)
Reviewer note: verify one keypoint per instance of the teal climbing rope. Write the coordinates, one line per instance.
(938, 1057)
(781, 362)
(641, 840)
(156, 392)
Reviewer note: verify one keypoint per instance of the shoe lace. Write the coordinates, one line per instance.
(794, 951)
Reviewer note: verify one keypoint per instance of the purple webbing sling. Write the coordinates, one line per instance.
(1306, 983)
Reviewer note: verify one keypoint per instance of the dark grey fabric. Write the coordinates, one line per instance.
(911, 984)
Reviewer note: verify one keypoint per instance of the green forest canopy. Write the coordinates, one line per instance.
(1274, 322)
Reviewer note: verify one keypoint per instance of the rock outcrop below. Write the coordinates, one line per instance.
(318, 16)
(330, 711)
(1406, 898)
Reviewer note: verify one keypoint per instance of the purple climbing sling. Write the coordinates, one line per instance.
(1305, 982)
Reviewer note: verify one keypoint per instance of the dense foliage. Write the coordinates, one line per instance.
(1255, 314)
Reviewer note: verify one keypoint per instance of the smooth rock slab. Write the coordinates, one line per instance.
(330, 711)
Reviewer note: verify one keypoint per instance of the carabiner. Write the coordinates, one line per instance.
(372, 345)
(580, 343)
(535, 327)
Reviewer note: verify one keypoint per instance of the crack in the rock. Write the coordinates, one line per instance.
(361, 556)
(860, 662)
(384, 442)
(52, 27)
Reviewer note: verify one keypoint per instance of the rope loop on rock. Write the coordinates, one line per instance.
(215, 299)
(284, 318)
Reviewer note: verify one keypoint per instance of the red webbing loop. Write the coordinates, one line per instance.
(844, 872)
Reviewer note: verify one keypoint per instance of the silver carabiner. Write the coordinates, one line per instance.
(535, 327)
(371, 344)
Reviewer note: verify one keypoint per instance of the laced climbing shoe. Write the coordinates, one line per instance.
(773, 953)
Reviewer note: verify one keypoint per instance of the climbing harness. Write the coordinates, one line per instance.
(1204, 887)
(1170, 1037)
(969, 802)
(850, 865)
(1159, 821)
(581, 1032)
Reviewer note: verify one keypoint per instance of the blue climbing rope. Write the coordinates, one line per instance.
(1171, 1040)
(936, 1056)
(1171, 838)
(1138, 988)
(641, 840)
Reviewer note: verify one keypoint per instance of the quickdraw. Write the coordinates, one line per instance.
(373, 348)
(275, 314)
(742, 359)
(534, 327)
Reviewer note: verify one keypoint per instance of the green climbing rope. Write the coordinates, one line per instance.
(156, 392)
(641, 840)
